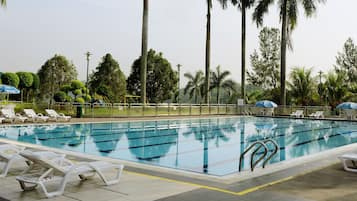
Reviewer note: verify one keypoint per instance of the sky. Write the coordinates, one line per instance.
(33, 31)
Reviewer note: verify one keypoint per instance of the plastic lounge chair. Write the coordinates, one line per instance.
(317, 115)
(349, 158)
(349, 114)
(10, 116)
(8, 155)
(32, 116)
(297, 114)
(53, 115)
(62, 170)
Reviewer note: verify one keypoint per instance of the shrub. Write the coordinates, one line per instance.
(79, 100)
(10, 79)
(60, 96)
(76, 84)
(66, 88)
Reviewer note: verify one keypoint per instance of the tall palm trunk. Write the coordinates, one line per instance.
(144, 47)
(208, 51)
(283, 53)
(218, 94)
(243, 48)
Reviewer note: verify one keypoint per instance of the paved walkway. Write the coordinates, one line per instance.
(331, 183)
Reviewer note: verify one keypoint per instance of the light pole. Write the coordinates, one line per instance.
(178, 70)
(88, 54)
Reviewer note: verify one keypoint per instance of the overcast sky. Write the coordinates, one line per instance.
(32, 31)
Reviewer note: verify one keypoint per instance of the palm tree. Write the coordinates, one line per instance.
(3, 3)
(302, 85)
(194, 84)
(336, 88)
(243, 5)
(208, 52)
(219, 81)
(288, 17)
(144, 47)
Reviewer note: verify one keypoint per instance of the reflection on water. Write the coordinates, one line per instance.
(210, 146)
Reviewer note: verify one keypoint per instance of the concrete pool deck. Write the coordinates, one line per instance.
(298, 183)
(317, 178)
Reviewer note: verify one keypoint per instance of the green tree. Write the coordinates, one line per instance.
(10, 79)
(3, 3)
(194, 85)
(288, 10)
(302, 86)
(346, 61)
(33, 91)
(219, 81)
(243, 5)
(56, 72)
(161, 83)
(108, 76)
(265, 72)
(144, 51)
(25, 84)
(336, 88)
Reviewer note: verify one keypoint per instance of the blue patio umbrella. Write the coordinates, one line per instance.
(6, 89)
(347, 106)
(266, 104)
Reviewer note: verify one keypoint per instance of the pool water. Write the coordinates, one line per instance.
(209, 146)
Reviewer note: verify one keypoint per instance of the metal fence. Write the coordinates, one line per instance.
(116, 110)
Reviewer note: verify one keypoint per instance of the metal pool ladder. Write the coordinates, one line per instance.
(257, 146)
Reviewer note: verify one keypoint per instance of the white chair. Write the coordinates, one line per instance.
(317, 115)
(32, 116)
(347, 159)
(61, 171)
(57, 116)
(297, 114)
(8, 155)
(11, 153)
(350, 114)
(11, 117)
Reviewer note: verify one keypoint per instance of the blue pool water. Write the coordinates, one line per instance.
(209, 146)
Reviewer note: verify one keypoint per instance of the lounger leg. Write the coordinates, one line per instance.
(6, 168)
(119, 168)
(59, 191)
(27, 187)
(345, 166)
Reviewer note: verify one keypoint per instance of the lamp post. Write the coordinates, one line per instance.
(88, 54)
(178, 70)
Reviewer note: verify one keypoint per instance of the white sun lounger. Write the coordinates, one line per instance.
(11, 153)
(8, 155)
(57, 116)
(32, 116)
(62, 170)
(349, 158)
(297, 114)
(317, 115)
(11, 117)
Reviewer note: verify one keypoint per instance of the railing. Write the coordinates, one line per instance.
(109, 110)
(256, 146)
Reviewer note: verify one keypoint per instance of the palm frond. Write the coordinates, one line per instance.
(261, 9)
(3, 3)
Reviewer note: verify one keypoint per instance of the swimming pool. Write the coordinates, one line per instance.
(209, 146)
